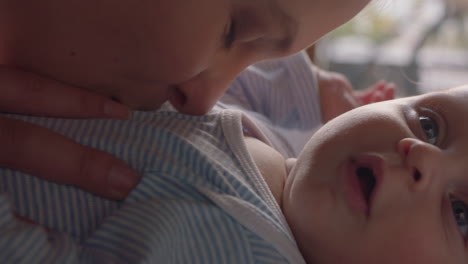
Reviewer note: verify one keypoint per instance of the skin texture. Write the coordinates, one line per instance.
(146, 52)
(410, 218)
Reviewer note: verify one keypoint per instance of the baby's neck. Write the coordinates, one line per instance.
(271, 165)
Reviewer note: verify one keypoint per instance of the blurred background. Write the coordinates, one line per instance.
(420, 45)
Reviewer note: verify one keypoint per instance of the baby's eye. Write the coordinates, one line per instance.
(430, 128)
(460, 212)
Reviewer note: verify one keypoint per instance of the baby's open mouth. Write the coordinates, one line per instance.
(367, 181)
(364, 175)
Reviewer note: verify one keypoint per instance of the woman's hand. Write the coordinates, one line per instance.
(51, 156)
(337, 95)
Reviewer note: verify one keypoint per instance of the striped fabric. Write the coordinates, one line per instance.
(201, 198)
(281, 96)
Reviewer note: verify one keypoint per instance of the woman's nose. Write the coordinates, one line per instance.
(198, 95)
(423, 161)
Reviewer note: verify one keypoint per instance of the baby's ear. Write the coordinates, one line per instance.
(290, 164)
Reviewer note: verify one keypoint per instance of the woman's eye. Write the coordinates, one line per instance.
(230, 34)
(430, 129)
(460, 212)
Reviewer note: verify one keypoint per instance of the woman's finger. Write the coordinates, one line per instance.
(51, 156)
(27, 93)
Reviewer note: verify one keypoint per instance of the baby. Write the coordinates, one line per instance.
(203, 196)
(383, 183)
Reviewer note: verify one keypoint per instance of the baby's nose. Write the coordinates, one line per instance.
(421, 158)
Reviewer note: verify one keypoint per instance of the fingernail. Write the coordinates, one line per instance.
(117, 110)
(122, 179)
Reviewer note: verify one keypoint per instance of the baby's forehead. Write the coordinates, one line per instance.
(450, 90)
(458, 92)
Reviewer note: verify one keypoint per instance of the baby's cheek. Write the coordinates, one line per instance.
(406, 246)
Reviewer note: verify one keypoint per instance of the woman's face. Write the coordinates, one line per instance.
(188, 51)
(385, 183)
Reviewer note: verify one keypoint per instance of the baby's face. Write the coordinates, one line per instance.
(146, 52)
(385, 183)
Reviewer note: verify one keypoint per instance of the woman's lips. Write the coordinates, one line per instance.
(363, 175)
